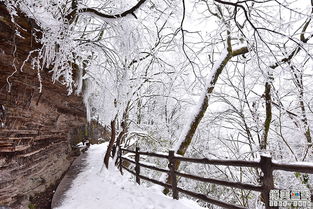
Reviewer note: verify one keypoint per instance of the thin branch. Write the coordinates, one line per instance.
(131, 11)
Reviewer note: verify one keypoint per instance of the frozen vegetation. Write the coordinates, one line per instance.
(212, 78)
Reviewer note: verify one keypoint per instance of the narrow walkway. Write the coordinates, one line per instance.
(77, 166)
(98, 188)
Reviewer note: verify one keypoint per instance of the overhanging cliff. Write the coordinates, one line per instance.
(37, 127)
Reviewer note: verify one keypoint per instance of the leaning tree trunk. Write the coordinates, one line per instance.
(201, 108)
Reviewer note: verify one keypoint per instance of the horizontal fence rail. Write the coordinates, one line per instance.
(223, 183)
(210, 200)
(239, 163)
(266, 165)
(293, 167)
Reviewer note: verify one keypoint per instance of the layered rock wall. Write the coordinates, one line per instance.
(35, 128)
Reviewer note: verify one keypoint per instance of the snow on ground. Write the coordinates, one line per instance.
(98, 188)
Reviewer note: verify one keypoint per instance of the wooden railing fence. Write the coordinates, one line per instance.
(266, 165)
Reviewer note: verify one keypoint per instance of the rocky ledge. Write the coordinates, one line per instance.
(36, 128)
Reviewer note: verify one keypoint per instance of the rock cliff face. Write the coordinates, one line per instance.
(35, 128)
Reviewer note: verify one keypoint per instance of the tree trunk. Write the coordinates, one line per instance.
(121, 136)
(200, 110)
(111, 143)
(190, 130)
(268, 117)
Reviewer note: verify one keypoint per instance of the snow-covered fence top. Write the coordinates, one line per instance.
(266, 165)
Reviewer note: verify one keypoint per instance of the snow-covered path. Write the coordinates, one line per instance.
(107, 189)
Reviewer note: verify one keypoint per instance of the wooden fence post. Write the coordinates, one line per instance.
(267, 179)
(137, 168)
(173, 174)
